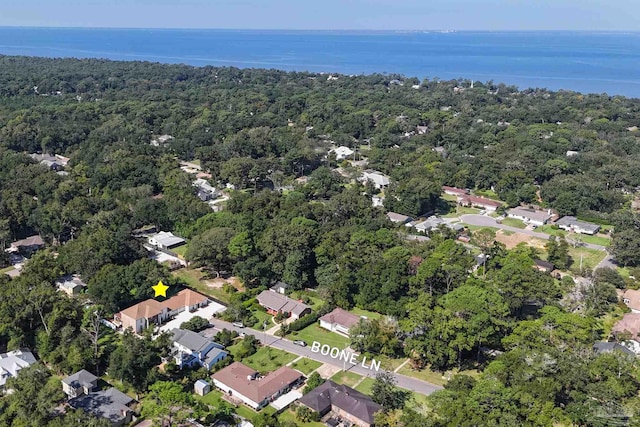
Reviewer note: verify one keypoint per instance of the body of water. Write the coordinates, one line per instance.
(581, 61)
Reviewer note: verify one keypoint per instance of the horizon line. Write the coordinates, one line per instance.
(399, 30)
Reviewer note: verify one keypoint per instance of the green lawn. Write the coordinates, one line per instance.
(192, 278)
(595, 240)
(315, 333)
(346, 377)
(214, 398)
(306, 366)
(262, 316)
(513, 222)
(434, 377)
(367, 313)
(315, 301)
(290, 416)
(417, 402)
(180, 250)
(268, 359)
(590, 257)
(489, 194)
(365, 386)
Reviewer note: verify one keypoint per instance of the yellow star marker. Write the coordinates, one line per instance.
(160, 289)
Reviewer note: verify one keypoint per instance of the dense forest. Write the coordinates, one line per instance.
(528, 335)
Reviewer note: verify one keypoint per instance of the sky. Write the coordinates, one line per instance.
(497, 15)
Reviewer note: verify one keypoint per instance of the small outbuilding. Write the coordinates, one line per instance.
(201, 387)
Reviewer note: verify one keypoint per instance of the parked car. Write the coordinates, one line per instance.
(300, 343)
(238, 324)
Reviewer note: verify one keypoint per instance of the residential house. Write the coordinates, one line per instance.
(342, 152)
(571, 223)
(193, 349)
(161, 141)
(635, 204)
(339, 321)
(55, 163)
(245, 384)
(433, 222)
(28, 245)
(111, 404)
(70, 285)
(205, 191)
(280, 287)
(422, 130)
(378, 179)
(631, 298)
(453, 191)
(345, 402)
(627, 331)
(151, 312)
(275, 302)
(530, 216)
(142, 315)
(12, 362)
(398, 218)
(610, 347)
(165, 240)
(542, 265)
(82, 382)
(478, 202)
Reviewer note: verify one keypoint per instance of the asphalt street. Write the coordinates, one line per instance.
(403, 381)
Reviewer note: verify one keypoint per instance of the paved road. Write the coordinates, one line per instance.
(487, 221)
(403, 381)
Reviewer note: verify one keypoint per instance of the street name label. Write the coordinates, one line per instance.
(344, 355)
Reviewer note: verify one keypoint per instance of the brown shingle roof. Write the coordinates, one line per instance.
(330, 395)
(237, 376)
(631, 297)
(629, 323)
(145, 309)
(184, 298)
(341, 317)
(278, 302)
(34, 240)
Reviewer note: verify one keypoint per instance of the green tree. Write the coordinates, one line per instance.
(313, 381)
(386, 393)
(168, 403)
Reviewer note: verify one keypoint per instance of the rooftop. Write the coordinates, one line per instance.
(12, 362)
(110, 404)
(189, 339)
(145, 309)
(34, 240)
(341, 317)
(240, 378)
(572, 221)
(81, 378)
(633, 298)
(184, 298)
(166, 238)
(278, 302)
(630, 323)
(329, 395)
(531, 214)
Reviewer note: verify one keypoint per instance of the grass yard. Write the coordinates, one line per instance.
(367, 313)
(262, 316)
(306, 366)
(365, 386)
(315, 302)
(290, 416)
(434, 377)
(214, 398)
(594, 240)
(192, 278)
(347, 378)
(590, 257)
(489, 194)
(180, 250)
(315, 333)
(513, 222)
(268, 359)
(4, 270)
(417, 402)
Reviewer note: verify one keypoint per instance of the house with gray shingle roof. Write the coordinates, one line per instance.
(191, 348)
(82, 382)
(111, 404)
(275, 302)
(571, 223)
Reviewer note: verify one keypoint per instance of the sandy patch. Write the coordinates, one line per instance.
(219, 283)
(513, 239)
(327, 370)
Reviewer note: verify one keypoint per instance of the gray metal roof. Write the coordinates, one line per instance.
(189, 339)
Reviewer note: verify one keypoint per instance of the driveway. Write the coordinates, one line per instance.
(487, 221)
(204, 312)
(403, 381)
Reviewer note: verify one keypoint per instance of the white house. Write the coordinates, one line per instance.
(205, 191)
(530, 216)
(571, 223)
(244, 383)
(71, 285)
(192, 349)
(379, 180)
(166, 240)
(82, 382)
(343, 152)
(12, 362)
(339, 321)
